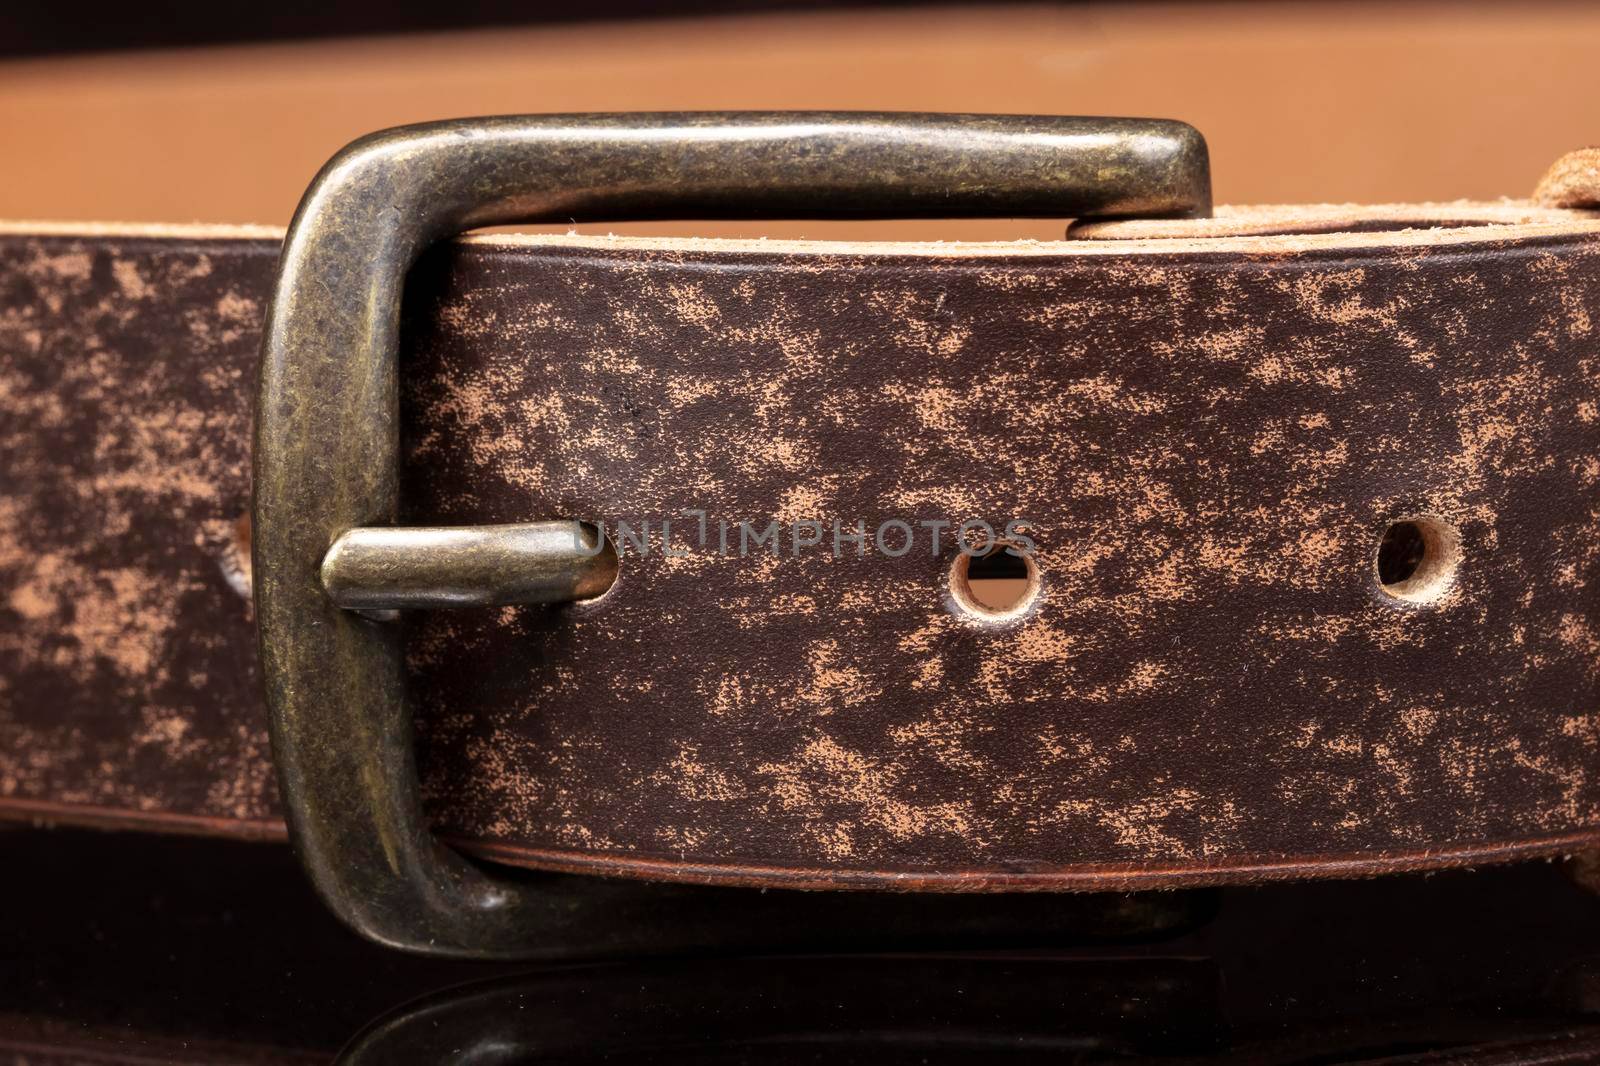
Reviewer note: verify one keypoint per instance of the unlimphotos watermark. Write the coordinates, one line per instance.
(693, 530)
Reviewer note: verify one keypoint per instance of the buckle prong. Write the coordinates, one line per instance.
(388, 568)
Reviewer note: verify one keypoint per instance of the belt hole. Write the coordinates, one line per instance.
(994, 584)
(1417, 558)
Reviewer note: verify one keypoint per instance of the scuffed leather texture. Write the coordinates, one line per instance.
(1208, 437)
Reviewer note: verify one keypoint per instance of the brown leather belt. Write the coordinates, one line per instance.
(1208, 427)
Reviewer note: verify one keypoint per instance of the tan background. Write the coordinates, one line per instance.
(1300, 101)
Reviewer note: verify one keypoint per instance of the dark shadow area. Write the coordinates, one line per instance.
(133, 948)
(97, 26)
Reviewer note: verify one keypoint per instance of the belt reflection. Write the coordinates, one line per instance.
(886, 1009)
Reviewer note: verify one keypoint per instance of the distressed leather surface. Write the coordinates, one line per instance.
(1209, 437)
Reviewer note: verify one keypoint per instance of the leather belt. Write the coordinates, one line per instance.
(1310, 591)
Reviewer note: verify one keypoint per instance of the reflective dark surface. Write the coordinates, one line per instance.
(909, 1009)
(129, 948)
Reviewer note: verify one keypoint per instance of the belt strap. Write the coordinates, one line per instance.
(1208, 440)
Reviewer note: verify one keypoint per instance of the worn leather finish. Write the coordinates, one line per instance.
(1209, 437)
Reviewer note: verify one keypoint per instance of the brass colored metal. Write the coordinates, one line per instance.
(393, 568)
(327, 435)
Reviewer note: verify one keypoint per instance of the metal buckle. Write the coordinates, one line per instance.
(327, 436)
